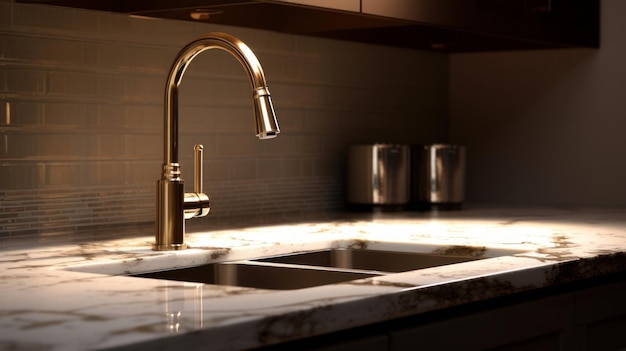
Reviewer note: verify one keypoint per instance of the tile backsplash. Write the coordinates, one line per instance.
(81, 117)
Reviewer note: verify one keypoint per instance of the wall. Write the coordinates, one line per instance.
(545, 127)
(81, 119)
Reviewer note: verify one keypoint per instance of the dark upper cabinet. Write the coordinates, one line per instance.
(472, 25)
(441, 25)
(344, 5)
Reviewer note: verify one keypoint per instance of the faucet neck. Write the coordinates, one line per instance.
(214, 40)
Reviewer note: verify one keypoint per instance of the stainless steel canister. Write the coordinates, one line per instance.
(378, 174)
(438, 175)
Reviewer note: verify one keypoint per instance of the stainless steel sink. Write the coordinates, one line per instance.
(302, 270)
(258, 275)
(297, 270)
(376, 260)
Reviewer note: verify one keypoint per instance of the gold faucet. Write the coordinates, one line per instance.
(173, 204)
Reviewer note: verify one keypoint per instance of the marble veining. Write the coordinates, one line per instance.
(78, 297)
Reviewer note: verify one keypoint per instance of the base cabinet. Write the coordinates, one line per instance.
(544, 324)
(366, 343)
(353, 340)
(589, 317)
(601, 318)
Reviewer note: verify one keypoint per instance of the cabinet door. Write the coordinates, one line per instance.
(361, 341)
(601, 318)
(366, 343)
(544, 324)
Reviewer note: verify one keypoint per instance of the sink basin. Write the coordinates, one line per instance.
(258, 275)
(377, 260)
(308, 269)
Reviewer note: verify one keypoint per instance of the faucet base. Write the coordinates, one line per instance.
(170, 223)
(168, 247)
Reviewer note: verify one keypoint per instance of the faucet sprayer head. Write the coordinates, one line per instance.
(265, 122)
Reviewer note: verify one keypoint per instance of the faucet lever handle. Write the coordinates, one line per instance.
(197, 204)
(197, 168)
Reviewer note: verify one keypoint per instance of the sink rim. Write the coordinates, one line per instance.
(169, 262)
(145, 260)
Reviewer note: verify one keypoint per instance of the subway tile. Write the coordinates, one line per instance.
(91, 54)
(242, 169)
(19, 48)
(21, 114)
(279, 68)
(43, 50)
(66, 114)
(298, 94)
(333, 145)
(4, 81)
(307, 144)
(17, 80)
(18, 146)
(154, 58)
(318, 71)
(87, 23)
(269, 168)
(39, 18)
(215, 170)
(66, 52)
(112, 146)
(110, 86)
(59, 175)
(144, 146)
(60, 146)
(292, 144)
(145, 117)
(319, 120)
(144, 89)
(143, 175)
(292, 168)
(108, 174)
(72, 83)
(4, 147)
(6, 14)
(217, 92)
(217, 119)
(237, 145)
(112, 117)
(110, 55)
(114, 27)
(325, 167)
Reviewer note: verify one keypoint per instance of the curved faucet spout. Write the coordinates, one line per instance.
(173, 204)
(265, 120)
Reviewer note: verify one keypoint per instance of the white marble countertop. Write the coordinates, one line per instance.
(49, 302)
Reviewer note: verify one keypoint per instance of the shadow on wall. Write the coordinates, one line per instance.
(542, 127)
